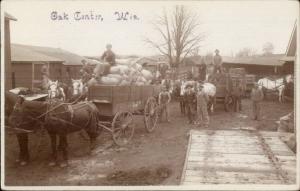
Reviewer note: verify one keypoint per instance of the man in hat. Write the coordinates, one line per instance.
(190, 102)
(237, 95)
(109, 55)
(164, 99)
(86, 71)
(167, 82)
(202, 70)
(202, 114)
(217, 61)
(256, 97)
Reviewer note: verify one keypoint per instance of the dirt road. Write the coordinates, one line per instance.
(150, 159)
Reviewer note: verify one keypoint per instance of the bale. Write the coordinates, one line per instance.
(101, 69)
(109, 81)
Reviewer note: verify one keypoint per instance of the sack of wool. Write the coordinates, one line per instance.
(147, 74)
(124, 83)
(92, 82)
(114, 70)
(117, 76)
(139, 83)
(124, 69)
(101, 69)
(109, 81)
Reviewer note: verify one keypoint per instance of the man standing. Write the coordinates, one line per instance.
(190, 103)
(202, 114)
(237, 93)
(167, 82)
(217, 61)
(256, 97)
(109, 56)
(86, 71)
(164, 99)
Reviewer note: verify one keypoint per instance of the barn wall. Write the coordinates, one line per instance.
(258, 70)
(23, 74)
(7, 59)
(74, 72)
(56, 71)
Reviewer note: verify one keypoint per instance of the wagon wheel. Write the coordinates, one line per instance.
(122, 128)
(151, 114)
(228, 103)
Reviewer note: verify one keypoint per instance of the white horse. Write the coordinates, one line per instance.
(54, 91)
(276, 85)
(79, 90)
(208, 88)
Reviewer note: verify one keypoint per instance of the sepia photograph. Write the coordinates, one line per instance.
(147, 95)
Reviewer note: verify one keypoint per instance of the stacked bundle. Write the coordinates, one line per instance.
(286, 123)
(121, 74)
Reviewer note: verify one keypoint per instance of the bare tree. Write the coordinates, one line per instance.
(245, 52)
(179, 33)
(268, 48)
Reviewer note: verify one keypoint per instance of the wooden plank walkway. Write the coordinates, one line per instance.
(237, 157)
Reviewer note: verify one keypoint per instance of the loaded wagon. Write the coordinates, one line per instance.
(118, 104)
(223, 84)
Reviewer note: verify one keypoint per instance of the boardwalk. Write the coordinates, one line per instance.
(238, 157)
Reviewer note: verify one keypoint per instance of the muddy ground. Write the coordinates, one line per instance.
(150, 159)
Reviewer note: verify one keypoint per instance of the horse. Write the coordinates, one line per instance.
(276, 85)
(208, 88)
(79, 90)
(57, 118)
(55, 91)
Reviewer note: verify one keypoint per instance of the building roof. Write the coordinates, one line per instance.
(292, 46)
(68, 58)
(9, 17)
(271, 60)
(23, 54)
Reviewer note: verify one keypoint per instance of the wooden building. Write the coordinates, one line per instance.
(27, 65)
(7, 55)
(258, 65)
(289, 59)
(62, 64)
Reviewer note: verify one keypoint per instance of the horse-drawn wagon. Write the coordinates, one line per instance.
(118, 104)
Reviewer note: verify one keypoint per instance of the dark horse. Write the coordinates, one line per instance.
(59, 119)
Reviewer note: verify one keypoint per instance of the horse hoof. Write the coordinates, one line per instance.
(23, 163)
(52, 164)
(63, 165)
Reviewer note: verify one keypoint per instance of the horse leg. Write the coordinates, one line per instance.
(63, 144)
(54, 149)
(23, 145)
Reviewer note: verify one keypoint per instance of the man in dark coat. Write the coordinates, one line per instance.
(109, 56)
(202, 70)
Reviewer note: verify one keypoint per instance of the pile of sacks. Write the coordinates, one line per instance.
(121, 74)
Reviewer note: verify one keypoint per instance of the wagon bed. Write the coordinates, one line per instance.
(111, 99)
(116, 106)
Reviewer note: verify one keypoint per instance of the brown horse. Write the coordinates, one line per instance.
(59, 119)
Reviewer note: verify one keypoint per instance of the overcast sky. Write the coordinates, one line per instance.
(228, 25)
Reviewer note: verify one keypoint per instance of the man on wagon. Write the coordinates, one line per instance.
(217, 62)
(86, 71)
(109, 56)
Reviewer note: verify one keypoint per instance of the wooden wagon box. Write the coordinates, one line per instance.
(111, 99)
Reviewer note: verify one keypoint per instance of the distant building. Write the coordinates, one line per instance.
(258, 65)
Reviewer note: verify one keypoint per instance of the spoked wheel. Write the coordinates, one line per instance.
(122, 128)
(151, 114)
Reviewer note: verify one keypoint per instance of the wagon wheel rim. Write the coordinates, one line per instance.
(122, 128)
(151, 114)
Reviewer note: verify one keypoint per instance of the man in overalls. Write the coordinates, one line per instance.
(256, 96)
(164, 99)
(202, 99)
(190, 103)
